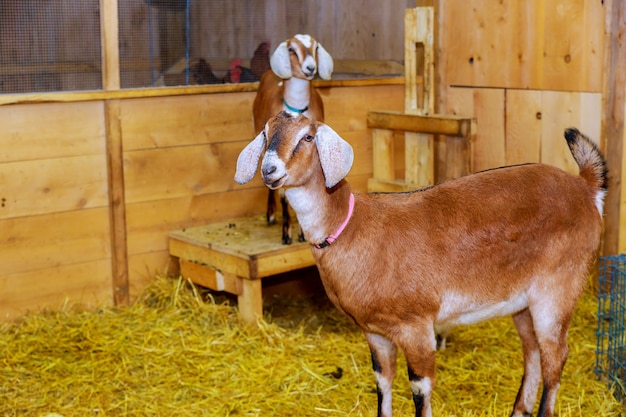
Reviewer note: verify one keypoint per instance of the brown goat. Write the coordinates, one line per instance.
(516, 240)
(288, 87)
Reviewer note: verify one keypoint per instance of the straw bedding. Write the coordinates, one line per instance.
(178, 352)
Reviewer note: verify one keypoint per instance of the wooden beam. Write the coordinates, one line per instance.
(115, 159)
(110, 45)
(117, 202)
(60, 97)
(433, 124)
(613, 125)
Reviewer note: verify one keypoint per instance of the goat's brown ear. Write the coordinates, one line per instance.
(279, 61)
(336, 155)
(324, 63)
(248, 160)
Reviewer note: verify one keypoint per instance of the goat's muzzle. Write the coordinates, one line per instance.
(271, 177)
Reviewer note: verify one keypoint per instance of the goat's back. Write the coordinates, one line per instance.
(490, 234)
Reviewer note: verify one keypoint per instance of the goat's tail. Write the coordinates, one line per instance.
(590, 160)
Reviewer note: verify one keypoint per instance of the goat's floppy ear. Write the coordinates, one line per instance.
(324, 63)
(336, 155)
(279, 61)
(248, 160)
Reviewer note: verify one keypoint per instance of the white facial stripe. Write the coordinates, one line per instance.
(300, 134)
(306, 40)
(309, 61)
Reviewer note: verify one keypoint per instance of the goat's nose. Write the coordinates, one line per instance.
(310, 68)
(268, 170)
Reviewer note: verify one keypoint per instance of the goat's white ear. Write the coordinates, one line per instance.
(336, 155)
(248, 160)
(324, 63)
(279, 61)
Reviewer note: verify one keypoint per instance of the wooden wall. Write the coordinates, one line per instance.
(526, 71)
(179, 154)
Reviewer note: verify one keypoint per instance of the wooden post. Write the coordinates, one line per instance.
(613, 126)
(383, 153)
(115, 162)
(419, 147)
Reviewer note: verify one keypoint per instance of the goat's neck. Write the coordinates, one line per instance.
(320, 211)
(297, 92)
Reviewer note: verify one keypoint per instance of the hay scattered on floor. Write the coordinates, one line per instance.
(177, 352)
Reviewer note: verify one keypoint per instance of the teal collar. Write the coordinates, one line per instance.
(293, 109)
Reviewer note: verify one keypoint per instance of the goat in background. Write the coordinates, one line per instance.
(516, 240)
(288, 87)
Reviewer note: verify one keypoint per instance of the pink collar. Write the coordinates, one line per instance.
(330, 239)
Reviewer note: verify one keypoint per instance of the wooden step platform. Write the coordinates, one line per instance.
(234, 256)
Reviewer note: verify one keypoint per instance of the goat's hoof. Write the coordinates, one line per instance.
(301, 238)
(271, 220)
(286, 240)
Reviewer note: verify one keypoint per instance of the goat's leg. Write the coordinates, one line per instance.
(384, 363)
(527, 394)
(551, 324)
(286, 218)
(271, 207)
(419, 345)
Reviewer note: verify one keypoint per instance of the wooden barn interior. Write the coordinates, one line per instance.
(108, 144)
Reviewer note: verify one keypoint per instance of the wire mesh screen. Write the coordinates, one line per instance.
(188, 42)
(49, 46)
(611, 335)
(56, 45)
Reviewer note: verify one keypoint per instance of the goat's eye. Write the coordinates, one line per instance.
(291, 50)
(307, 138)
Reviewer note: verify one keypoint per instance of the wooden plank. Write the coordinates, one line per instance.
(552, 45)
(62, 97)
(148, 223)
(563, 110)
(210, 278)
(435, 124)
(419, 159)
(46, 186)
(182, 171)
(47, 241)
(110, 45)
(458, 157)
(79, 135)
(250, 302)
(419, 98)
(383, 153)
(190, 251)
(245, 238)
(87, 284)
(285, 261)
(524, 120)
(488, 150)
(186, 120)
(117, 202)
(573, 58)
